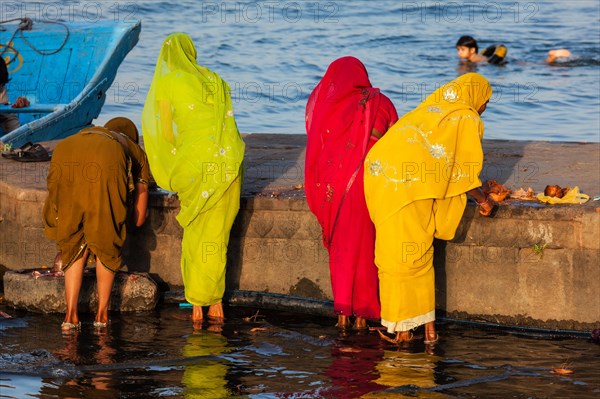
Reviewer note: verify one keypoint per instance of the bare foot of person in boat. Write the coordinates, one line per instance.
(21, 102)
(360, 323)
(215, 312)
(343, 321)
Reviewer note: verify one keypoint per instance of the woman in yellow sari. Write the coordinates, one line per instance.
(416, 180)
(194, 149)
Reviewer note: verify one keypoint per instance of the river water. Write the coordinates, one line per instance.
(282, 355)
(273, 53)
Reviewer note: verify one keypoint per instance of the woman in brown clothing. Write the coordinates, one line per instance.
(91, 175)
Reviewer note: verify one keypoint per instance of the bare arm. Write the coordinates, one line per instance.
(140, 204)
(376, 134)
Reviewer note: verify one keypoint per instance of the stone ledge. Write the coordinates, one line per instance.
(131, 292)
(490, 268)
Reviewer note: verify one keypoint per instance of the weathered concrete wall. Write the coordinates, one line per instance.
(489, 271)
(22, 193)
(492, 270)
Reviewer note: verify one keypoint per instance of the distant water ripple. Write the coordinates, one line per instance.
(273, 53)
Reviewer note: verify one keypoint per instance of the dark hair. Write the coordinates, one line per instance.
(469, 42)
(3, 72)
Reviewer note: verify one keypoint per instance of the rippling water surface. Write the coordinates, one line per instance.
(273, 54)
(281, 355)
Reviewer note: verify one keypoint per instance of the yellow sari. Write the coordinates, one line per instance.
(194, 149)
(416, 179)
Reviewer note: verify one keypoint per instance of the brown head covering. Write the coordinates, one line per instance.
(125, 126)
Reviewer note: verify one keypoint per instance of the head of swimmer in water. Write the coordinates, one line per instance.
(466, 47)
(558, 54)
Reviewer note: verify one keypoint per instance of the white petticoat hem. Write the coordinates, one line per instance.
(408, 324)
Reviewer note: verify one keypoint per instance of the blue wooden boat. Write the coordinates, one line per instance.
(64, 70)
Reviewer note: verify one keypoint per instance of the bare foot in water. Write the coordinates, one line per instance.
(360, 323)
(404, 336)
(101, 320)
(197, 314)
(343, 321)
(69, 326)
(215, 312)
(431, 335)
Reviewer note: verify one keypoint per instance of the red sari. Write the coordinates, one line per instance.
(341, 114)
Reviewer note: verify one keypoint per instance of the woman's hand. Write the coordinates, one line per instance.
(484, 202)
(486, 207)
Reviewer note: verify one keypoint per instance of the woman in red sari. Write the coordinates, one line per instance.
(345, 116)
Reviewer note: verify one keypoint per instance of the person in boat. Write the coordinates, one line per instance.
(416, 180)
(8, 121)
(96, 176)
(345, 116)
(195, 149)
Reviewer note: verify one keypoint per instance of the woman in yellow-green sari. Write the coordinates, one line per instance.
(194, 149)
(416, 180)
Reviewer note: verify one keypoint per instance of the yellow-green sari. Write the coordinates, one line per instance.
(416, 178)
(203, 377)
(194, 149)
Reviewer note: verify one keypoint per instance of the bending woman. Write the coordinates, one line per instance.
(345, 116)
(93, 176)
(416, 178)
(194, 149)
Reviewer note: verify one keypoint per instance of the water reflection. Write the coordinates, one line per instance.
(354, 370)
(399, 368)
(100, 350)
(205, 378)
(408, 374)
(157, 355)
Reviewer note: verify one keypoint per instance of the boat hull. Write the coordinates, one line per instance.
(66, 88)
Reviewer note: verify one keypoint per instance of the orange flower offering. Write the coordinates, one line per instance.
(556, 191)
(495, 190)
(523, 194)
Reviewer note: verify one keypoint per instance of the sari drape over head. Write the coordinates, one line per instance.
(416, 178)
(341, 114)
(194, 149)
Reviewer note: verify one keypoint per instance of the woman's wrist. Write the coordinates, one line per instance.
(485, 200)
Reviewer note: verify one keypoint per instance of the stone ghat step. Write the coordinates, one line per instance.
(532, 264)
(131, 292)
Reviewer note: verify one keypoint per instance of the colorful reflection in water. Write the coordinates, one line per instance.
(281, 355)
